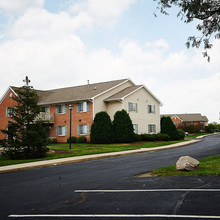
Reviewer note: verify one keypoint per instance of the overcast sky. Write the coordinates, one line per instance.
(62, 43)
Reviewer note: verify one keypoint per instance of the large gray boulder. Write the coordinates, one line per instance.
(187, 163)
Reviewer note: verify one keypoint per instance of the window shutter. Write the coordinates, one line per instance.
(77, 107)
(87, 107)
(129, 106)
(56, 109)
(78, 133)
(153, 108)
(136, 105)
(57, 130)
(65, 108)
(65, 130)
(6, 112)
(87, 132)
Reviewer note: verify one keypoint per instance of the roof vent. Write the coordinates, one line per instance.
(95, 88)
(88, 82)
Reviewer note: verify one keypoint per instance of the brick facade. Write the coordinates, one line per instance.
(78, 118)
(7, 102)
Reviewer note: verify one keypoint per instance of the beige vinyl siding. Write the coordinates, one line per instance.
(100, 105)
(143, 98)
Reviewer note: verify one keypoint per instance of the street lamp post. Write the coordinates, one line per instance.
(70, 108)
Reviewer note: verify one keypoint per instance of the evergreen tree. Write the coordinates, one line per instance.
(26, 136)
(123, 128)
(168, 127)
(101, 130)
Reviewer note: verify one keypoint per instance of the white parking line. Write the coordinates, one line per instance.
(115, 216)
(143, 190)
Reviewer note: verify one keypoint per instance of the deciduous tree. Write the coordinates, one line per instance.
(207, 12)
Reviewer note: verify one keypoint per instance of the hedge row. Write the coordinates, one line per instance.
(152, 137)
(81, 139)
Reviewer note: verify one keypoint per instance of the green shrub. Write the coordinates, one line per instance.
(209, 129)
(73, 139)
(51, 140)
(81, 139)
(138, 137)
(148, 137)
(102, 130)
(161, 137)
(180, 134)
(123, 128)
(168, 127)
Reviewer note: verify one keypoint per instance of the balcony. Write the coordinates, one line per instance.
(46, 117)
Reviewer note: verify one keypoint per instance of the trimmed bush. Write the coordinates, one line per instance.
(138, 137)
(73, 139)
(81, 139)
(168, 127)
(161, 137)
(209, 129)
(102, 129)
(148, 137)
(123, 128)
(51, 140)
(180, 135)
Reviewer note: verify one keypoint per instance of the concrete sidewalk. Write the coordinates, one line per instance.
(44, 163)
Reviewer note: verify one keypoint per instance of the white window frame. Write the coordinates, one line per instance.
(82, 107)
(10, 112)
(83, 129)
(132, 107)
(61, 131)
(151, 109)
(61, 109)
(151, 128)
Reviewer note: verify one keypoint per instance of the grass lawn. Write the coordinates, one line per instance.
(62, 150)
(209, 166)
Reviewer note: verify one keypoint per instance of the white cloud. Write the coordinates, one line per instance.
(40, 24)
(46, 47)
(18, 6)
(103, 12)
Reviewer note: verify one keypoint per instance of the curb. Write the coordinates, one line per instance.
(54, 162)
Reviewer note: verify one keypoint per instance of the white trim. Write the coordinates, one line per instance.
(177, 117)
(6, 93)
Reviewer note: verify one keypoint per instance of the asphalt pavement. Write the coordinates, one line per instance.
(109, 188)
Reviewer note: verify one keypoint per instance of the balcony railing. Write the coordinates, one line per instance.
(46, 117)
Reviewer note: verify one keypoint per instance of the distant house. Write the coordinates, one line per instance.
(87, 100)
(188, 119)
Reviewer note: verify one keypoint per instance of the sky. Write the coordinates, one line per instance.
(63, 43)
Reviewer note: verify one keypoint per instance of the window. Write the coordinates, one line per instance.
(10, 111)
(151, 109)
(132, 107)
(83, 107)
(135, 127)
(82, 129)
(151, 128)
(61, 131)
(61, 109)
(45, 109)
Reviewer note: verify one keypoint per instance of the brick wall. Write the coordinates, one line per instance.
(78, 118)
(7, 102)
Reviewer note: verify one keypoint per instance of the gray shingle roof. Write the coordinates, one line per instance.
(121, 94)
(189, 117)
(76, 93)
